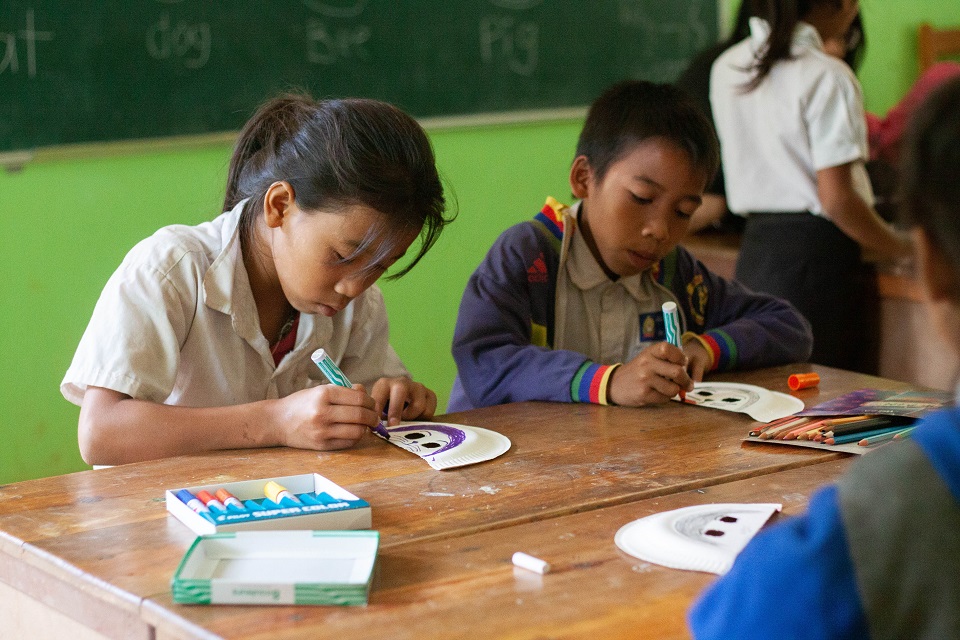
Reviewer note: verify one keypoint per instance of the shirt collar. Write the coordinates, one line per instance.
(586, 273)
(219, 280)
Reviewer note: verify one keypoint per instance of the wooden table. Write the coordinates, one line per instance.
(92, 553)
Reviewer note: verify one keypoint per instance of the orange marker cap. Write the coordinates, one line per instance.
(803, 380)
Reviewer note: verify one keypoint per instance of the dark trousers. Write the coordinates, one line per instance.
(808, 261)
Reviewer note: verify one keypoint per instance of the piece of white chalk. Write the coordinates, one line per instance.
(528, 562)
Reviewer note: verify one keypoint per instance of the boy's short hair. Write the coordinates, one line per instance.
(633, 111)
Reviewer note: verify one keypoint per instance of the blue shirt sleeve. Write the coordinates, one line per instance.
(793, 580)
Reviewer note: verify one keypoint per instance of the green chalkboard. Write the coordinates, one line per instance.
(127, 69)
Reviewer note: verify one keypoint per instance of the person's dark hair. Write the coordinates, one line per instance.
(856, 42)
(782, 16)
(337, 154)
(633, 111)
(930, 170)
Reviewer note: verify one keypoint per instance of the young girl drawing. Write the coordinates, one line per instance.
(878, 555)
(793, 139)
(201, 340)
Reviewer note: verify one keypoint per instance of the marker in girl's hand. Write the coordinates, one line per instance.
(671, 325)
(335, 376)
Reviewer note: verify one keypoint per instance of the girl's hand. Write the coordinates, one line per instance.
(404, 400)
(326, 417)
(657, 374)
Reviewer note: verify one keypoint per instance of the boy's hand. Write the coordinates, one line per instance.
(404, 400)
(326, 417)
(698, 359)
(657, 374)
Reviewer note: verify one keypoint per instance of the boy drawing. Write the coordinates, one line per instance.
(567, 307)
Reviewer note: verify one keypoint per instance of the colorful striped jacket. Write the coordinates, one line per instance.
(504, 334)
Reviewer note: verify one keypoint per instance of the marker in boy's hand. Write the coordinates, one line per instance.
(658, 373)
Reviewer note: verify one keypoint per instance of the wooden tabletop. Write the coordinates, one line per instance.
(466, 587)
(101, 541)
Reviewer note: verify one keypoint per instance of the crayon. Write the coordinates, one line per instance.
(671, 325)
(332, 372)
(278, 493)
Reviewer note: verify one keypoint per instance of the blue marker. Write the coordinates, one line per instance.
(194, 503)
(335, 376)
(671, 325)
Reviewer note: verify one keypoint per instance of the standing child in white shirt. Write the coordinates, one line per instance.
(793, 142)
(201, 340)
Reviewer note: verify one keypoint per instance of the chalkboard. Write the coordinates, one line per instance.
(128, 69)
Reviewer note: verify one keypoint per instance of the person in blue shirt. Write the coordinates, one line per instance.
(878, 554)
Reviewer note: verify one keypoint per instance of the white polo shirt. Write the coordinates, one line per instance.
(607, 321)
(806, 115)
(177, 324)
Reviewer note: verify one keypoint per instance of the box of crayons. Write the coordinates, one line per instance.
(856, 422)
(307, 501)
(278, 567)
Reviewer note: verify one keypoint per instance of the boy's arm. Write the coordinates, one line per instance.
(744, 329)
(497, 361)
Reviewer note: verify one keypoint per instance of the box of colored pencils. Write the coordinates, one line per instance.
(278, 567)
(306, 501)
(851, 434)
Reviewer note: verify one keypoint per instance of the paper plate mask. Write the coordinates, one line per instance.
(705, 537)
(760, 404)
(444, 445)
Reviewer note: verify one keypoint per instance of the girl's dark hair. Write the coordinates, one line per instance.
(337, 154)
(930, 170)
(633, 111)
(782, 16)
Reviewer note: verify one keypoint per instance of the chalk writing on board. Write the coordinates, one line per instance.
(515, 4)
(327, 44)
(688, 33)
(505, 40)
(186, 43)
(330, 9)
(25, 41)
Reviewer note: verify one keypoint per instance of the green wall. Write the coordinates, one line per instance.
(70, 222)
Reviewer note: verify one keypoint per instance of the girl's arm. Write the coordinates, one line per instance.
(116, 429)
(852, 215)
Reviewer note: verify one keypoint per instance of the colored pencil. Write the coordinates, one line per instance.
(855, 437)
(883, 437)
(903, 435)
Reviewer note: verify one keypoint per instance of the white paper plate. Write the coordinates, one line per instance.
(704, 537)
(445, 445)
(763, 405)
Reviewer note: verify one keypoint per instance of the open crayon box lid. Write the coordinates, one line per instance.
(322, 505)
(278, 567)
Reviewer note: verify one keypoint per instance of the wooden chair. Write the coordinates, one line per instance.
(934, 44)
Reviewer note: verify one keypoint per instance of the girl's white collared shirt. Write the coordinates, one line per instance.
(177, 324)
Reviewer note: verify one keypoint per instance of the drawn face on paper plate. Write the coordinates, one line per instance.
(720, 397)
(426, 439)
